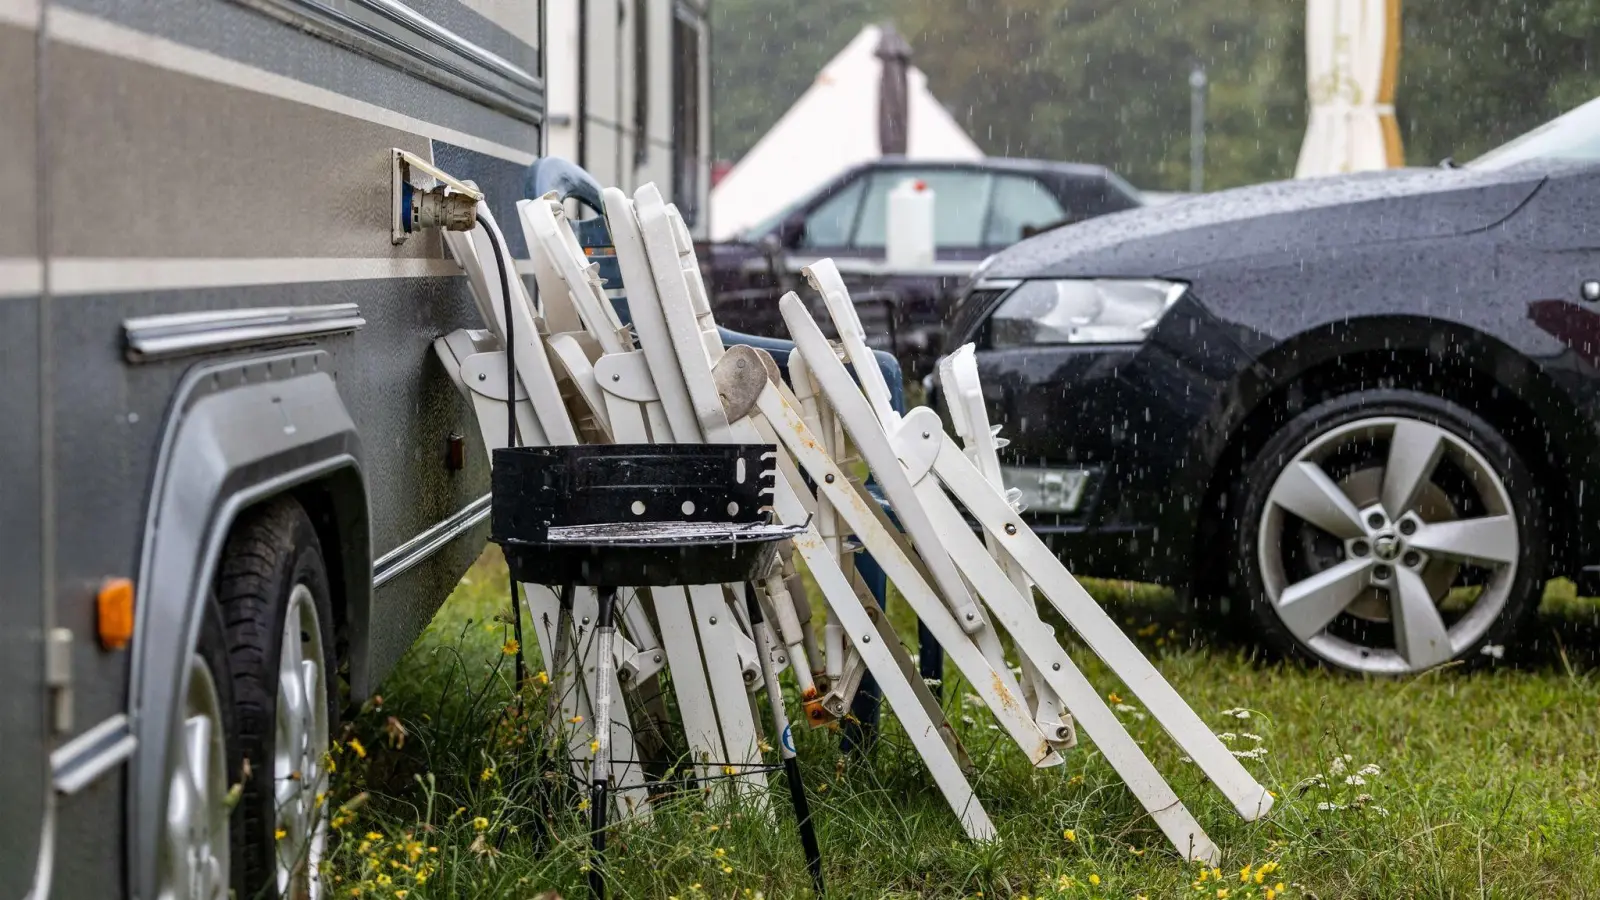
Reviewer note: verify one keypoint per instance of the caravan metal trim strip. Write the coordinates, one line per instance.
(405, 39)
(92, 754)
(151, 338)
(397, 561)
(104, 36)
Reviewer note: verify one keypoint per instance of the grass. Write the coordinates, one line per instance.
(1487, 784)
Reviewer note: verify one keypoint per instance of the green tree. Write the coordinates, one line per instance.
(1107, 80)
(1475, 73)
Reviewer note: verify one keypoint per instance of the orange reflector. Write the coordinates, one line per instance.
(114, 604)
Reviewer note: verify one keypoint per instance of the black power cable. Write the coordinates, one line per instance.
(511, 426)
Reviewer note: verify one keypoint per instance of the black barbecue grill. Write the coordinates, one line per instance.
(643, 515)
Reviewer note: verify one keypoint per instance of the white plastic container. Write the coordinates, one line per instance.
(909, 238)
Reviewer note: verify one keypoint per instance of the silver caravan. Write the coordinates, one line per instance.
(236, 482)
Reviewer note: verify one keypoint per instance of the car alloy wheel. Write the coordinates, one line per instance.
(299, 777)
(1385, 541)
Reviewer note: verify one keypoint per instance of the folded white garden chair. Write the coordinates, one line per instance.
(699, 627)
(935, 464)
(477, 362)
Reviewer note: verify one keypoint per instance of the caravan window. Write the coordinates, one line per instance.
(686, 114)
(961, 199)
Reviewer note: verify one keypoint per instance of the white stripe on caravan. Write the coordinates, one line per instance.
(21, 277)
(82, 275)
(20, 12)
(90, 32)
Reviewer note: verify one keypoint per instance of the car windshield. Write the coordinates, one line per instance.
(754, 233)
(1574, 135)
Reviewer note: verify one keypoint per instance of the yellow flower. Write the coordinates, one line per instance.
(486, 774)
(713, 827)
(374, 836)
(1094, 879)
(1271, 894)
(401, 894)
(543, 677)
(1113, 698)
(727, 870)
(576, 720)
(356, 746)
(280, 834)
(1244, 874)
(730, 770)
(719, 852)
(594, 746)
(511, 647)
(1071, 835)
(480, 823)
(583, 804)
(1278, 887)
(1222, 894)
(384, 879)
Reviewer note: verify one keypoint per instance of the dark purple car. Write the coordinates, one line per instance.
(982, 207)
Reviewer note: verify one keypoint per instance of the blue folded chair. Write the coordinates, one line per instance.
(570, 181)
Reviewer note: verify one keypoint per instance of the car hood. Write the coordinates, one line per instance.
(1275, 218)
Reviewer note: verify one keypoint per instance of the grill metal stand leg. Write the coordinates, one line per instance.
(780, 725)
(600, 772)
(561, 649)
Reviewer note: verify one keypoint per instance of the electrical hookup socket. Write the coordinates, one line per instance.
(425, 196)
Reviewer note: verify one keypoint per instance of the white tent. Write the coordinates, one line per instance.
(832, 126)
(1352, 55)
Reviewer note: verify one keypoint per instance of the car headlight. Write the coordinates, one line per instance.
(1042, 490)
(1081, 311)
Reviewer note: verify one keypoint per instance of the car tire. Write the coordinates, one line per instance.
(1385, 532)
(273, 591)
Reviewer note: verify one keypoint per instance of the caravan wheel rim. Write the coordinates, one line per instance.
(300, 744)
(195, 845)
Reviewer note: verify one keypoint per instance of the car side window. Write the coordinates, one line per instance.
(1020, 204)
(959, 198)
(829, 225)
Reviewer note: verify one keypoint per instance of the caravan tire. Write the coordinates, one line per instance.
(273, 592)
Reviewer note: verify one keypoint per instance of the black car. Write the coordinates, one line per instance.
(981, 206)
(1360, 411)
